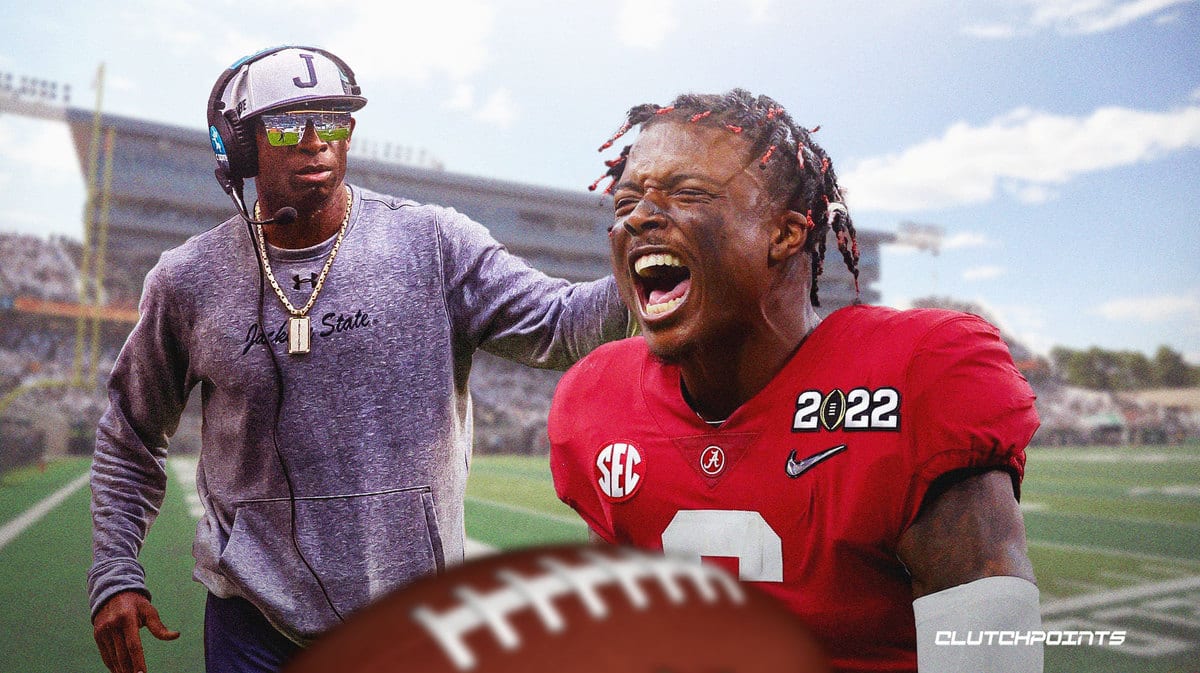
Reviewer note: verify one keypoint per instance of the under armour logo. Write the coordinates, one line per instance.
(297, 281)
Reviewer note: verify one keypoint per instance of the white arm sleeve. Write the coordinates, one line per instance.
(991, 625)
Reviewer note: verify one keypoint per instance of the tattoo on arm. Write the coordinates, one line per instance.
(971, 530)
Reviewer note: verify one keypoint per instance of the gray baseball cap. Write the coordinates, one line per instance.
(291, 77)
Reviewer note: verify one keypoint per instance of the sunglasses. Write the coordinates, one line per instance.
(287, 128)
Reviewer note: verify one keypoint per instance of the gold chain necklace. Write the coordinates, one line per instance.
(298, 320)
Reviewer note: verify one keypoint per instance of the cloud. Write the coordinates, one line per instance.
(463, 98)
(916, 237)
(1031, 194)
(1094, 16)
(500, 109)
(45, 150)
(408, 41)
(983, 273)
(967, 239)
(21, 220)
(1159, 308)
(1025, 151)
(176, 26)
(645, 23)
(1024, 323)
(990, 31)
(120, 83)
(47, 178)
(758, 11)
(1075, 17)
(445, 38)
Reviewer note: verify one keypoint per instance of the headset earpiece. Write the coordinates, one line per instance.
(234, 157)
(232, 137)
(243, 148)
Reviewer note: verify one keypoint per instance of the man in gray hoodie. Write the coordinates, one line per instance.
(337, 419)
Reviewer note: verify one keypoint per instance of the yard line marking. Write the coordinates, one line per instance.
(1172, 490)
(575, 521)
(1105, 598)
(31, 516)
(475, 549)
(1107, 551)
(1131, 520)
(1154, 458)
(1083, 585)
(184, 469)
(1127, 578)
(1160, 570)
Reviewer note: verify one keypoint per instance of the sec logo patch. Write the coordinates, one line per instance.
(619, 470)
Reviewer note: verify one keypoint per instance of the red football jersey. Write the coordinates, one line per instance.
(807, 487)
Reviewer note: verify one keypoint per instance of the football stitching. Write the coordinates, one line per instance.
(490, 610)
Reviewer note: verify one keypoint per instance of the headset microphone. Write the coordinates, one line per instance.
(285, 215)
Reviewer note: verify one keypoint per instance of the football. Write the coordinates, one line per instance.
(575, 608)
(833, 409)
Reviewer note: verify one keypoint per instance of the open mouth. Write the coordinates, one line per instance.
(662, 282)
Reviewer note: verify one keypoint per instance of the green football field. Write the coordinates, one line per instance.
(1114, 536)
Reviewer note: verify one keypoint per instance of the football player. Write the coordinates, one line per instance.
(863, 468)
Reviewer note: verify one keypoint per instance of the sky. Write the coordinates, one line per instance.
(1053, 144)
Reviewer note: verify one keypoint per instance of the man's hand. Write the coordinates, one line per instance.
(116, 629)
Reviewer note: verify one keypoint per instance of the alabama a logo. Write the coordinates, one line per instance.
(620, 470)
(712, 461)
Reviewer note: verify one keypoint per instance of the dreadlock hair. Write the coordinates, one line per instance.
(800, 171)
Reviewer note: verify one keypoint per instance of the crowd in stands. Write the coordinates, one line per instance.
(38, 267)
(1072, 415)
(510, 401)
(38, 352)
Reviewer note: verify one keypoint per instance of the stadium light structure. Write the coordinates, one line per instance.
(923, 237)
(34, 88)
(33, 97)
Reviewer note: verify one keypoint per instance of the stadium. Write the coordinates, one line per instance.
(1111, 501)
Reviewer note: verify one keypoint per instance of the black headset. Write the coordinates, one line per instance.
(232, 138)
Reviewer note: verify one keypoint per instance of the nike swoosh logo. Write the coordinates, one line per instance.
(796, 468)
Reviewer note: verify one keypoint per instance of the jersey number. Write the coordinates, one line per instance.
(740, 534)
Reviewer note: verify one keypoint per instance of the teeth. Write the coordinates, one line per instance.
(655, 259)
(655, 309)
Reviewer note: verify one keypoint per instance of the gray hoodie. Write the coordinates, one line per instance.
(375, 422)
